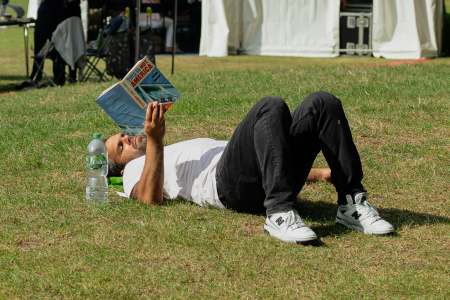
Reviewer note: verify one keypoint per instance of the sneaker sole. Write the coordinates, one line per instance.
(298, 241)
(360, 229)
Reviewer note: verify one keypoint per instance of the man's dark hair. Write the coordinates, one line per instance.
(114, 169)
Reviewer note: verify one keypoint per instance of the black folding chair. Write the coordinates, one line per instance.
(94, 56)
(97, 55)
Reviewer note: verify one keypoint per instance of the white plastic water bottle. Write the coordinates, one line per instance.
(97, 169)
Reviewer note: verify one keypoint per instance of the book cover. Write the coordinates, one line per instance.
(126, 101)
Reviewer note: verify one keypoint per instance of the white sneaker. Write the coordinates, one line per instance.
(289, 227)
(358, 214)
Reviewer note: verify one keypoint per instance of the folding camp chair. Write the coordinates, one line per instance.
(94, 56)
(39, 61)
(98, 53)
(68, 41)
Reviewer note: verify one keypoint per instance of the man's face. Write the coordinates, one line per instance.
(123, 148)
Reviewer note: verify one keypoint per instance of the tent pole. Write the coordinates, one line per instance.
(138, 31)
(174, 34)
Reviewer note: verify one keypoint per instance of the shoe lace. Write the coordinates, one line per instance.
(367, 211)
(294, 221)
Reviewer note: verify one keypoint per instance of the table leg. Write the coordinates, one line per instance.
(26, 39)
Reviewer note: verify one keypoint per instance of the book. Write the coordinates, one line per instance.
(126, 101)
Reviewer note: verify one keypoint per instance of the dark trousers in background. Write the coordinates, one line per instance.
(59, 75)
(49, 15)
(268, 159)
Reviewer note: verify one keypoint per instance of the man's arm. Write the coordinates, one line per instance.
(149, 188)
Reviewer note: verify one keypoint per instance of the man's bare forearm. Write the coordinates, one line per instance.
(149, 188)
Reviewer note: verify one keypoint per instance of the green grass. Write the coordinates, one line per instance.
(52, 244)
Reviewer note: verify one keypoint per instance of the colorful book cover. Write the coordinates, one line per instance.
(126, 101)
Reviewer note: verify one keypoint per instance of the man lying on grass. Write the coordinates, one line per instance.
(262, 168)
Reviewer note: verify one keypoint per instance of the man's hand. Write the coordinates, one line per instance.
(155, 123)
(149, 188)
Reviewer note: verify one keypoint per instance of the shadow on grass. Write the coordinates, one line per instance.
(325, 212)
(14, 87)
(8, 88)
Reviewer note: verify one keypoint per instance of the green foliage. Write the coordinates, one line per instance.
(54, 245)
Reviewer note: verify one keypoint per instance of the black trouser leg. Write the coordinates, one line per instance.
(270, 154)
(72, 74)
(46, 22)
(319, 123)
(41, 33)
(256, 170)
(59, 69)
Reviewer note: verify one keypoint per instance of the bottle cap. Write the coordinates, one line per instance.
(97, 135)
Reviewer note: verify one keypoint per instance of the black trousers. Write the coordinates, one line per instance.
(50, 14)
(268, 159)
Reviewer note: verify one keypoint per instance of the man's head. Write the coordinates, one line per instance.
(123, 148)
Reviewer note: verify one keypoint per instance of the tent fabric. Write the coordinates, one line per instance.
(214, 37)
(267, 27)
(401, 28)
(33, 8)
(407, 29)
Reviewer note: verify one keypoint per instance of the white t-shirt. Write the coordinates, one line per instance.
(189, 171)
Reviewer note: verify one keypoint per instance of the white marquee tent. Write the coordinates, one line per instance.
(405, 29)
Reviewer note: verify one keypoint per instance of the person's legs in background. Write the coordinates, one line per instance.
(59, 69)
(72, 9)
(157, 21)
(49, 15)
(42, 31)
(72, 75)
(168, 23)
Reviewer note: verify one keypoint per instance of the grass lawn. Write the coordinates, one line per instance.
(53, 244)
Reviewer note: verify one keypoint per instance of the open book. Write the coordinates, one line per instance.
(126, 101)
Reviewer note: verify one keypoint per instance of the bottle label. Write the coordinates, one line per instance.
(94, 162)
